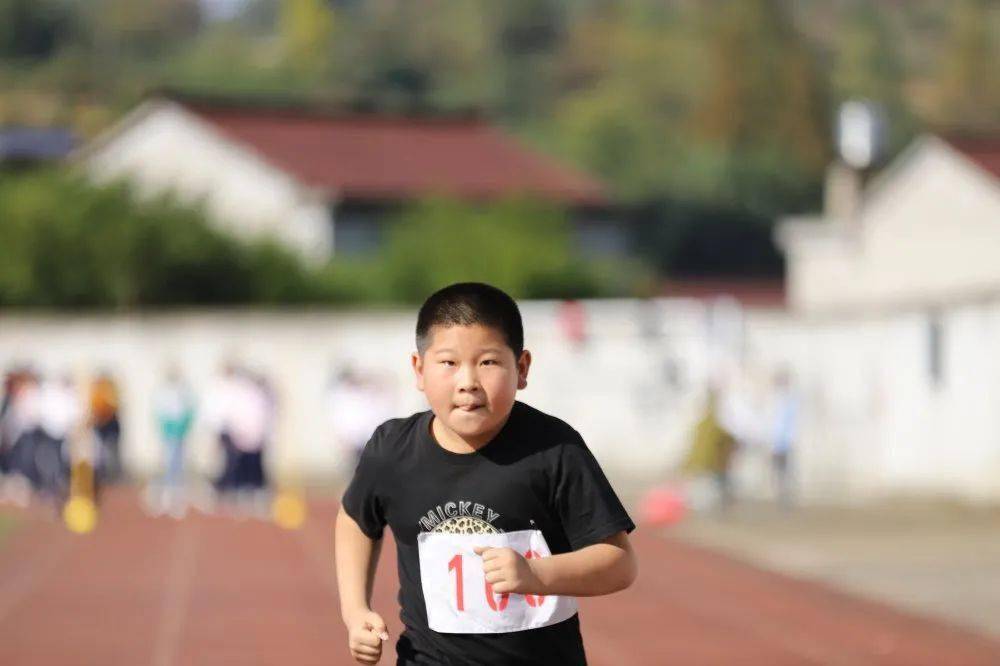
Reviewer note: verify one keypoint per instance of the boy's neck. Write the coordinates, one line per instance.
(449, 440)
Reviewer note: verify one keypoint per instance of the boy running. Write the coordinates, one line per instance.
(500, 513)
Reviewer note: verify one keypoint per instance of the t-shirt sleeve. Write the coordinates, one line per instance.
(587, 505)
(363, 500)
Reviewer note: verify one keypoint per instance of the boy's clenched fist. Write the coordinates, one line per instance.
(365, 632)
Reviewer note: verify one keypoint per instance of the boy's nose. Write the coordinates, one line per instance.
(467, 379)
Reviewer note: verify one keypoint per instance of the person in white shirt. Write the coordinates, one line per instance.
(60, 416)
(355, 406)
(241, 409)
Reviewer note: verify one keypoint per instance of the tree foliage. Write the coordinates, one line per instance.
(65, 243)
(719, 109)
(524, 247)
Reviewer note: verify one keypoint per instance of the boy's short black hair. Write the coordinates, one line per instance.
(467, 304)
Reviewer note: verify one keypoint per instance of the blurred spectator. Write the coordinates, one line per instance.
(27, 414)
(6, 423)
(60, 416)
(573, 322)
(649, 317)
(104, 405)
(253, 432)
(711, 451)
(785, 425)
(174, 407)
(356, 405)
(242, 410)
(19, 428)
(218, 408)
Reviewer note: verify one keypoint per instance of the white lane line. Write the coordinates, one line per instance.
(176, 594)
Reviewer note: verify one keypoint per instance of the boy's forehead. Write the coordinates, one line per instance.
(441, 336)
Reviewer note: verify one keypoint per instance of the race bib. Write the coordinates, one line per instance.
(460, 601)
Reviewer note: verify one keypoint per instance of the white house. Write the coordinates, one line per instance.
(894, 331)
(925, 233)
(324, 183)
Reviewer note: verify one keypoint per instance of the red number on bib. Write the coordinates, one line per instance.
(456, 565)
(504, 598)
(533, 600)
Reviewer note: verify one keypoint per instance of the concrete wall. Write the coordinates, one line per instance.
(612, 389)
(878, 420)
(875, 421)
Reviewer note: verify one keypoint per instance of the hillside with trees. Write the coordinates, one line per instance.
(709, 119)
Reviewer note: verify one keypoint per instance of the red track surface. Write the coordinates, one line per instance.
(210, 590)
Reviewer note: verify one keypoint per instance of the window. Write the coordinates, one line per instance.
(935, 351)
(356, 233)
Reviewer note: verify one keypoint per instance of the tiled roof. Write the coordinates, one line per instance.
(372, 157)
(984, 150)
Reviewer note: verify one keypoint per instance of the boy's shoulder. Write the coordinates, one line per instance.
(552, 438)
(534, 421)
(390, 434)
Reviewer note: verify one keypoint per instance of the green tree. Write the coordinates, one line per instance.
(401, 55)
(521, 246)
(306, 28)
(969, 88)
(764, 116)
(137, 29)
(529, 34)
(764, 88)
(632, 77)
(65, 243)
(868, 65)
(33, 28)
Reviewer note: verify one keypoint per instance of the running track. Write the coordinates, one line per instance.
(209, 590)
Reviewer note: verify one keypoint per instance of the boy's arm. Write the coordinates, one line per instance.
(601, 568)
(357, 558)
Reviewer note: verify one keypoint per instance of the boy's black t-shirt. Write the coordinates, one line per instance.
(536, 474)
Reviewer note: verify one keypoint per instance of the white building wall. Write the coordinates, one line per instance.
(166, 148)
(929, 232)
(874, 423)
(612, 389)
(933, 231)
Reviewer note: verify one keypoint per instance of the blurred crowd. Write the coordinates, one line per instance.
(47, 423)
(736, 421)
(60, 435)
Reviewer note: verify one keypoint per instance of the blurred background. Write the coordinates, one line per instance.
(754, 244)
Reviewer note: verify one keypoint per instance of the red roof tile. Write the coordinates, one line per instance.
(984, 150)
(395, 158)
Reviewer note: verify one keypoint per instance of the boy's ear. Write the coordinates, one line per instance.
(418, 369)
(523, 364)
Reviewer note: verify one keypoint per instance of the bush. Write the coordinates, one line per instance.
(524, 247)
(65, 243)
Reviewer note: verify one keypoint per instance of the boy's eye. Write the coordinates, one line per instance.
(490, 361)
(446, 362)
